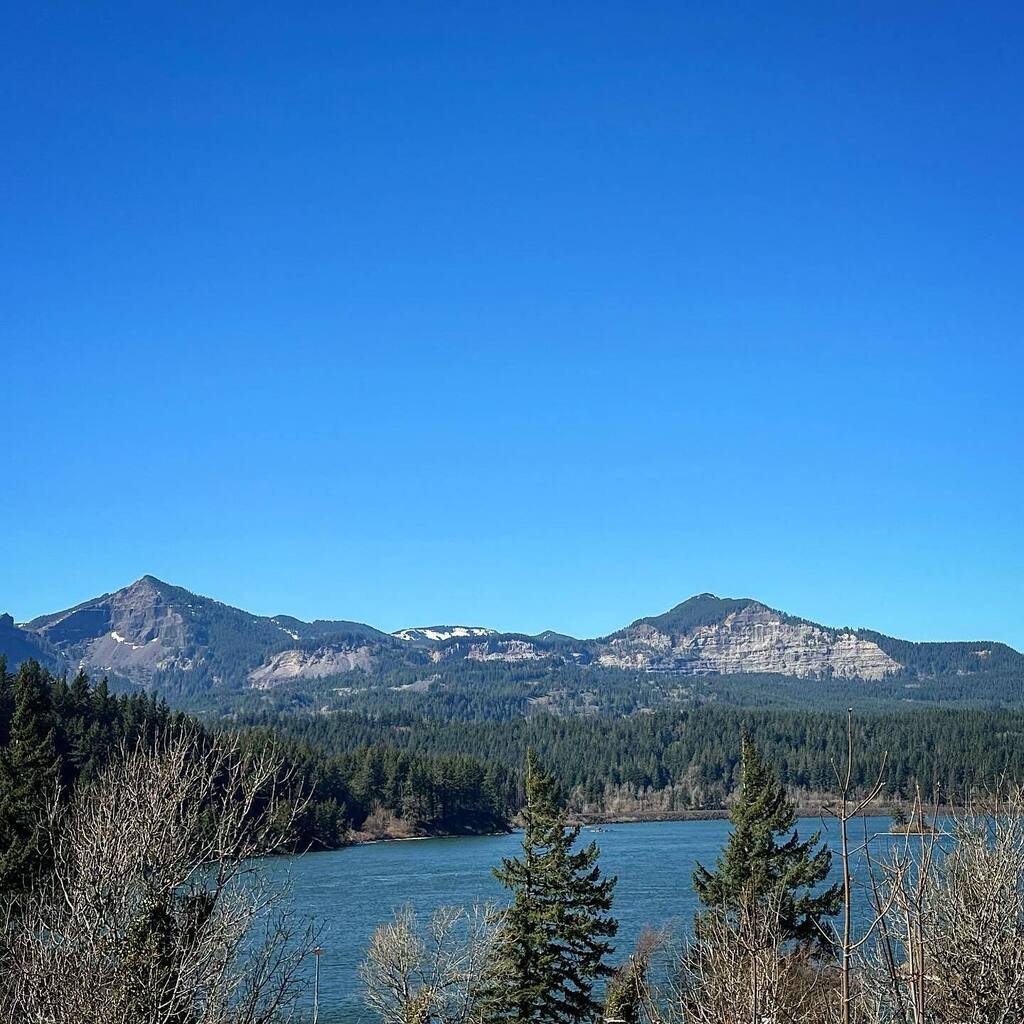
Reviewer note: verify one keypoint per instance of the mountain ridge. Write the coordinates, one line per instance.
(154, 633)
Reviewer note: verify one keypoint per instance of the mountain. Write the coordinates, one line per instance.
(153, 633)
(162, 636)
(325, 629)
(709, 635)
(18, 645)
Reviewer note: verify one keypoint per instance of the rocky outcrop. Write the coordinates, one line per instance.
(134, 632)
(752, 639)
(18, 645)
(288, 666)
(506, 650)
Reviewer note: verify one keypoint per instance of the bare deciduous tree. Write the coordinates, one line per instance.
(976, 905)
(952, 949)
(439, 972)
(629, 998)
(894, 982)
(739, 968)
(156, 911)
(847, 809)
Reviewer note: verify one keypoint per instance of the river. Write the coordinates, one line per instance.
(349, 892)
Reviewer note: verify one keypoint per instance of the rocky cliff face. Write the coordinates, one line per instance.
(329, 660)
(751, 639)
(135, 631)
(18, 645)
(506, 650)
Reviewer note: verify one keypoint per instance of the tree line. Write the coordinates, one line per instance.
(692, 756)
(57, 735)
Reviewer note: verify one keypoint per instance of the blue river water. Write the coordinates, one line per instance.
(349, 892)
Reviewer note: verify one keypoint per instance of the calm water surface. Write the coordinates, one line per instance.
(349, 892)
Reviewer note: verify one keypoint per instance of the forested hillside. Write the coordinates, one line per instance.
(467, 690)
(394, 772)
(56, 735)
(675, 761)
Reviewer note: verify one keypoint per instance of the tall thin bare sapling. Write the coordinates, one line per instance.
(846, 810)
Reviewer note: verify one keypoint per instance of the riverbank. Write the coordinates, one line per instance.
(399, 831)
(808, 808)
(404, 833)
(383, 826)
(393, 829)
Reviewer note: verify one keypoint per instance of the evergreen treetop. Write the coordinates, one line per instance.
(765, 859)
(554, 937)
(29, 775)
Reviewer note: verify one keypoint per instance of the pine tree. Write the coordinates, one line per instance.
(765, 859)
(6, 702)
(29, 772)
(553, 941)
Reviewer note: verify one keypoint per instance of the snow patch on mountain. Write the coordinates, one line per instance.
(438, 634)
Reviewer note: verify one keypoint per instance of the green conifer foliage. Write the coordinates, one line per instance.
(554, 938)
(765, 861)
(6, 702)
(29, 774)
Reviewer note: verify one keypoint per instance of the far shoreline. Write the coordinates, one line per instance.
(590, 821)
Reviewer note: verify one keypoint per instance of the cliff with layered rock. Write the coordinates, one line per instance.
(748, 637)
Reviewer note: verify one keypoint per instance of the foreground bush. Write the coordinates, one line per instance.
(153, 910)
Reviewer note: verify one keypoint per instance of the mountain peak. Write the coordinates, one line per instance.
(149, 582)
(144, 588)
(700, 610)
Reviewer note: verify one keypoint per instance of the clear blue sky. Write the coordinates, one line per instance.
(529, 315)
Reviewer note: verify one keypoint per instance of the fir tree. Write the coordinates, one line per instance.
(553, 941)
(6, 702)
(765, 859)
(29, 773)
